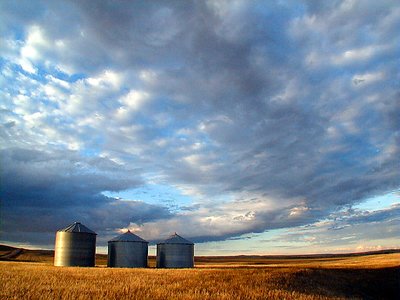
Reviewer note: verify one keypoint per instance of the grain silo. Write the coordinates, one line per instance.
(127, 251)
(175, 252)
(75, 246)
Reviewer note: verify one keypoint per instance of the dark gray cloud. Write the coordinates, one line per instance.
(43, 192)
(269, 115)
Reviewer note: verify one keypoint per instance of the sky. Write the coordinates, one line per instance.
(247, 127)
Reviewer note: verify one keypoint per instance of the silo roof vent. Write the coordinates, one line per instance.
(77, 227)
(176, 239)
(128, 237)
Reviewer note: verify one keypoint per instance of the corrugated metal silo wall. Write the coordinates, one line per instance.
(175, 256)
(75, 249)
(127, 254)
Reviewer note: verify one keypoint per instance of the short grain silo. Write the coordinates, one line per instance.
(127, 251)
(175, 252)
(75, 246)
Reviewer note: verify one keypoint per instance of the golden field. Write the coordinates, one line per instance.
(31, 275)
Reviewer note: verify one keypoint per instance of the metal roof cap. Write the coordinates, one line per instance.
(128, 237)
(176, 239)
(77, 227)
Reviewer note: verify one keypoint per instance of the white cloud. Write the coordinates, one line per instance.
(59, 82)
(34, 41)
(107, 79)
(361, 54)
(27, 66)
(298, 211)
(135, 99)
(367, 78)
(148, 76)
(31, 51)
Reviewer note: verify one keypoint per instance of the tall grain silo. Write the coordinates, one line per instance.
(175, 252)
(127, 251)
(75, 246)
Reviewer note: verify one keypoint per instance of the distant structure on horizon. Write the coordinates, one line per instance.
(175, 252)
(127, 251)
(75, 246)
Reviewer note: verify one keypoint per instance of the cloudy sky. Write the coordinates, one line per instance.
(248, 127)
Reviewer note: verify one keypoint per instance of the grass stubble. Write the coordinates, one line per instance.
(366, 277)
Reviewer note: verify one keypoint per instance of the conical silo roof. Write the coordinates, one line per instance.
(77, 227)
(128, 237)
(176, 239)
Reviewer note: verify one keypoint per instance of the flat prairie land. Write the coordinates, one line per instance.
(374, 276)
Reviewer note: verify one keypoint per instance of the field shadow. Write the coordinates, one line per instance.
(382, 283)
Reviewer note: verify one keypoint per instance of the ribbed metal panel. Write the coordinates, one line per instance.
(127, 251)
(127, 255)
(75, 248)
(175, 252)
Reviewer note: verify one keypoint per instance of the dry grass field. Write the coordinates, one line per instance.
(30, 275)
